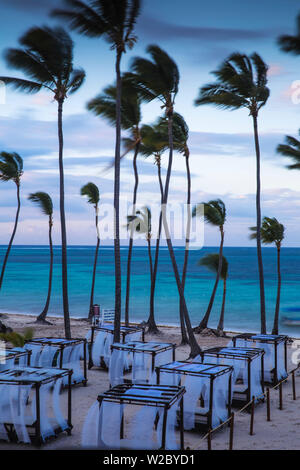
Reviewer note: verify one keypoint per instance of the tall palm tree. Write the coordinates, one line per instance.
(154, 144)
(242, 83)
(91, 191)
(44, 201)
(46, 57)
(159, 79)
(272, 232)
(212, 261)
(115, 21)
(214, 214)
(141, 223)
(180, 141)
(105, 105)
(11, 169)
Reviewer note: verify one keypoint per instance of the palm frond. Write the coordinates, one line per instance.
(22, 85)
(290, 149)
(241, 82)
(44, 201)
(211, 262)
(289, 43)
(156, 79)
(105, 104)
(214, 212)
(271, 231)
(11, 167)
(92, 192)
(76, 80)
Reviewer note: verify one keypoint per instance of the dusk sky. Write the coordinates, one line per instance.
(199, 36)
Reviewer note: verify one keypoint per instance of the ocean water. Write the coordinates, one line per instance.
(26, 281)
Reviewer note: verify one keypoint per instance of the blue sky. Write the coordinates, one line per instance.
(198, 35)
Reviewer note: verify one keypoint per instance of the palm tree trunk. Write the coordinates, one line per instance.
(41, 318)
(136, 176)
(276, 317)
(152, 327)
(184, 338)
(63, 225)
(258, 229)
(117, 320)
(12, 236)
(91, 312)
(205, 319)
(195, 349)
(220, 327)
(150, 257)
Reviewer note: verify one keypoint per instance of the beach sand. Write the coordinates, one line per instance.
(282, 432)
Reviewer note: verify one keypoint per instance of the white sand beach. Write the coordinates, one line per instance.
(281, 433)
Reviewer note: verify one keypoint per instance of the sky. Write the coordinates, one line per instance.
(198, 36)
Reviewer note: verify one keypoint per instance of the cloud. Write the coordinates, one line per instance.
(33, 5)
(238, 144)
(150, 26)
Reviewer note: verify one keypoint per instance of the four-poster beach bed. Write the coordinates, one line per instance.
(275, 347)
(248, 367)
(207, 402)
(61, 353)
(30, 409)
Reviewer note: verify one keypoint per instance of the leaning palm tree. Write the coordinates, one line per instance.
(180, 141)
(115, 21)
(44, 201)
(141, 223)
(214, 214)
(159, 79)
(272, 232)
(46, 57)
(11, 169)
(91, 191)
(153, 145)
(105, 105)
(242, 83)
(212, 261)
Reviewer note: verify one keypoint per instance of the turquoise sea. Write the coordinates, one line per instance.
(26, 281)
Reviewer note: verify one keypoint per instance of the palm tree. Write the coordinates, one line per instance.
(212, 261)
(11, 169)
(92, 192)
(242, 83)
(214, 214)
(159, 79)
(154, 144)
(181, 136)
(272, 232)
(105, 105)
(44, 201)
(46, 57)
(141, 223)
(115, 21)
